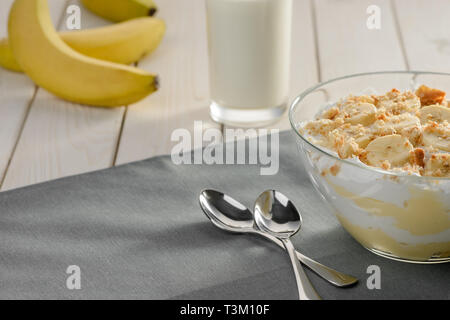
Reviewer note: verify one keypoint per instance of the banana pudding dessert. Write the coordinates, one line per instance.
(405, 132)
(400, 210)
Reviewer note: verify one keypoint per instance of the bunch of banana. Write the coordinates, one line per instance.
(89, 66)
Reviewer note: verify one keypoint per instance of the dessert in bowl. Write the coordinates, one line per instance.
(376, 146)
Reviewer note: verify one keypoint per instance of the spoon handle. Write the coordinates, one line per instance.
(334, 277)
(305, 289)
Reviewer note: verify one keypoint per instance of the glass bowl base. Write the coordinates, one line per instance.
(394, 257)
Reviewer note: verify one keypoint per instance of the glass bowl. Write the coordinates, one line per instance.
(401, 217)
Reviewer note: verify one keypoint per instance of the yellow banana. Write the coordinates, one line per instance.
(56, 67)
(125, 42)
(7, 59)
(121, 10)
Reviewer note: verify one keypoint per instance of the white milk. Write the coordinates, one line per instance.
(249, 52)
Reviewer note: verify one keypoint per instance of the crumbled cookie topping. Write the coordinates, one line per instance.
(398, 131)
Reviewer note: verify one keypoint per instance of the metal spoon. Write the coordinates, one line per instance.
(228, 214)
(277, 215)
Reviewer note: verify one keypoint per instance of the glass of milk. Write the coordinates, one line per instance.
(249, 44)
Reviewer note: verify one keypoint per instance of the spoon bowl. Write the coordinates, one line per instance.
(277, 215)
(225, 212)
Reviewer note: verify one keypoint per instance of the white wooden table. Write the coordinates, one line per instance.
(44, 138)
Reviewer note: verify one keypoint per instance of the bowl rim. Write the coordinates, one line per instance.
(305, 93)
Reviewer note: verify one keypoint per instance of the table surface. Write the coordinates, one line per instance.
(44, 138)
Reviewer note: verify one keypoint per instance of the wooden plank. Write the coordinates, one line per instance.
(61, 138)
(304, 69)
(181, 62)
(16, 93)
(425, 27)
(347, 46)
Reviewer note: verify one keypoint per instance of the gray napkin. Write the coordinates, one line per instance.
(137, 232)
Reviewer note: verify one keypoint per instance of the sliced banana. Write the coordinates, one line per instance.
(436, 113)
(437, 136)
(395, 124)
(362, 135)
(361, 113)
(412, 103)
(399, 103)
(402, 121)
(363, 141)
(399, 122)
(436, 140)
(393, 148)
